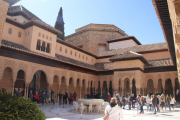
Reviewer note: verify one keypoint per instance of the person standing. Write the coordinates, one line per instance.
(108, 98)
(31, 96)
(141, 102)
(172, 102)
(19, 93)
(43, 97)
(101, 97)
(148, 100)
(47, 98)
(168, 99)
(71, 98)
(118, 100)
(158, 110)
(162, 101)
(75, 95)
(53, 97)
(93, 95)
(123, 102)
(114, 111)
(36, 97)
(60, 98)
(154, 102)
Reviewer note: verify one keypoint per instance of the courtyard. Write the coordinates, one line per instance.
(57, 112)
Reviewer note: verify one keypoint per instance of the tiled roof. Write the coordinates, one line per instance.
(159, 62)
(21, 9)
(128, 54)
(11, 2)
(15, 45)
(137, 48)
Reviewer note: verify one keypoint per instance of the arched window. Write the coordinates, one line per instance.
(83, 57)
(60, 48)
(47, 37)
(75, 53)
(10, 31)
(65, 50)
(43, 36)
(39, 34)
(71, 52)
(48, 48)
(38, 45)
(50, 38)
(86, 58)
(19, 34)
(43, 47)
(79, 55)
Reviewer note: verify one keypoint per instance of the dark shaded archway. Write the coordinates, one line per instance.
(110, 88)
(168, 87)
(83, 89)
(150, 87)
(71, 86)
(55, 86)
(20, 82)
(104, 90)
(127, 86)
(7, 80)
(177, 88)
(77, 89)
(160, 87)
(119, 86)
(63, 85)
(99, 87)
(134, 87)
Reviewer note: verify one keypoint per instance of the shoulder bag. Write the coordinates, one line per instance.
(106, 116)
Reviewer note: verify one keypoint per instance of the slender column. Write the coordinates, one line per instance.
(13, 89)
(80, 92)
(27, 90)
(101, 90)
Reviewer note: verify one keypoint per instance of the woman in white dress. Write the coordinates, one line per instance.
(114, 111)
(172, 102)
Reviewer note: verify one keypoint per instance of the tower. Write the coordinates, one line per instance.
(60, 24)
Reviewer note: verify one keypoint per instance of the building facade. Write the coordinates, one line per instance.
(96, 57)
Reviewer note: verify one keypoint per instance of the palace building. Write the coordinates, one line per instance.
(97, 57)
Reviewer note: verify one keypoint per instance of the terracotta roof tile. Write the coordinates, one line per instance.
(159, 62)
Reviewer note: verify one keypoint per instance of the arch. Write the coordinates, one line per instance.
(48, 48)
(160, 87)
(110, 88)
(71, 85)
(55, 86)
(104, 90)
(63, 85)
(134, 87)
(20, 82)
(38, 45)
(39, 82)
(10, 31)
(99, 87)
(126, 86)
(43, 46)
(77, 90)
(83, 88)
(7, 80)
(168, 87)
(119, 86)
(150, 87)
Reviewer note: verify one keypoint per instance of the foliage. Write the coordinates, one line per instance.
(19, 108)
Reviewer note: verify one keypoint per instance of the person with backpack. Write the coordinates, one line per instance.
(114, 111)
(123, 102)
(154, 102)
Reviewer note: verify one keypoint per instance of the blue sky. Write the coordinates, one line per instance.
(135, 17)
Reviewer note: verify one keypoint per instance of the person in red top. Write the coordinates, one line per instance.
(36, 97)
(108, 98)
(71, 98)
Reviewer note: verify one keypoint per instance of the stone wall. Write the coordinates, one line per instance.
(3, 13)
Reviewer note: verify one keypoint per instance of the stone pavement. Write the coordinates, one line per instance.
(57, 112)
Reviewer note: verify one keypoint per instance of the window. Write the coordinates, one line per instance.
(48, 48)
(60, 48)
(43, 36)
(47, 37)
(38, 45)
(43, 47)
(75, 53)
(39, 34)
(92, 60)
(86, 58)
(65, 50)
(10, 31)
(71, 52)
(79, 55)
(19, 34)
(50, 38)
(83, 57)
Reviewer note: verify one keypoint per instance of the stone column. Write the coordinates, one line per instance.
(66, 88)
(27, 90)
(80, 92)
(13, 88)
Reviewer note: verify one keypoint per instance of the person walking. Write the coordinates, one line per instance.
(162, 101)
(154, 102)
(168, 99)
(60, 98)
(158, 109)
(47, 98)
(129, 102)
(141, 103)
(118, 100)
(108, 97)
(114, 111)
(148, 100)
(132, 100)
(172, 102)
(123, 102)
(101, 97)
